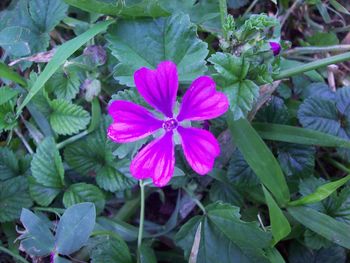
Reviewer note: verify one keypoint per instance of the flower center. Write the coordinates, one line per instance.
(170, 124)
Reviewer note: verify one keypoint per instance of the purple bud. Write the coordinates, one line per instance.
(96, 53)
(275, 47)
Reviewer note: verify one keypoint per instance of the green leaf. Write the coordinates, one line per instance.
(138, 8)
(68, 118)
(279, 223)
(46, 166)
(13, 197)
(82, 192)
(323, 39)
(36, 239)
(65, 85)
(92, 156)
(285, 133)
(147, 254)
(267, 169)
(224, 235)
(7, 73)
(339, 7)
(322, 224)
(74, 228)
(61, 55)
(322, 192)
(231, 73)
(295, 159)
(47, 14)
(8, 164)
(110, 249)
(341, 211)
(7, 94)
(274, 111)
(300, 254)
(43, 195)
(128, 232)
(145, 43)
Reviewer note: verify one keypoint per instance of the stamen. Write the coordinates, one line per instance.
(170, 124)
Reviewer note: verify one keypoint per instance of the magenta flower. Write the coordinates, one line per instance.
(159, 88)
(275, 47)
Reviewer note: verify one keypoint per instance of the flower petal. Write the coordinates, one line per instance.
(131, 122)
(202, 102)
(156, 160)
(200, 148)
(159, 87)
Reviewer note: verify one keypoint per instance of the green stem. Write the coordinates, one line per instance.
(142, 219)
(72, 139)
(198, 203)
(246, 12)
(312, 66)
(338, 165)
(18, 257)
(312, 50)
(223, 14)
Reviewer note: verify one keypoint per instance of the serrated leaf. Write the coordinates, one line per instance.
(47, 14)
(300, 254)
(7, 94)
(82, 192)
(231, 73)
(68, 118)
(13, 197)
(295, 159)
(224, 235)
(65, 85)
(145, 43)
(8, 164)
(341, 211)
(37, 239)
(109, 249)
(43, 195)
(274, 111)
(93, 156)
(74, 228)
(46, 166)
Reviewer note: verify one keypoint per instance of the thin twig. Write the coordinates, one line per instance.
(24, 141)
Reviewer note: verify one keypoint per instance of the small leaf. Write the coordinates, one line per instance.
(37, 239)
(68, 118)
(145, 43)
(322, 192)
(279, 223)
(13, 197)
(82, 192)
(7, 73)
(46, 166)
(74, 228)
(43, 195)
(64, 85)
(7, 94)
(8, 164)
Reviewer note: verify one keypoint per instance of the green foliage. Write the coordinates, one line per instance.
(130, 43)
(65, 85)
(221, 233)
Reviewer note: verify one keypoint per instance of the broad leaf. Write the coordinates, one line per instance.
(231, 73)
(6, 94)
(36, 239)
(13, 197)
(43, 195)
(224, 235)
(65, 85)
(68, 118)
(47, 167)
(74, 228)
(82, 192)
(109, 249)
(145, 43)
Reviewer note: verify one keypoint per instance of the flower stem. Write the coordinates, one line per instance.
(312, 66)
(312, 50)
(142, 219)
(72, 139)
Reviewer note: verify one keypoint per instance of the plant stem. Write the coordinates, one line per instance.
(312, 66)
(72, 139)
(223, 14)
(24, 141)
(338, 165)
(18, 257)
(250, 7)
(312, 50)
(142, 219)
